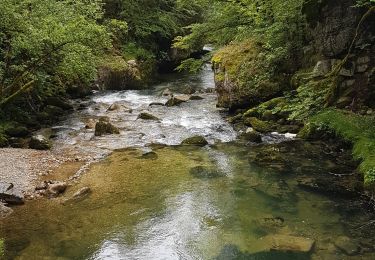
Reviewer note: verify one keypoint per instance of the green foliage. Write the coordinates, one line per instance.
(45, 43)
(359, 130)
(191, 65)
(2, 248)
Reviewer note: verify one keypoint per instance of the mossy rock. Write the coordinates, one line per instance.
(102, 128)
(252, 136)
(195, 140)
(147, 116)
(40, 142)
(309, 132)
(175, 101)
(259, 125)
(17, 131)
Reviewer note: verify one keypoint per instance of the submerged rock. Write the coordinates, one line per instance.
(288, 243)
(195, 140)
(203, 172)
(347, 246)
(102, 128)
(147, 116)
(56, 188)
(40, 142)
(149, 155)
(80, 195)
(4, 211)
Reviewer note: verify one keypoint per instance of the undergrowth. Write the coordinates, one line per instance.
(357, 129)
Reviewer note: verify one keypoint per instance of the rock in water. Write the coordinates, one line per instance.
(147, 116)
(202, 172)
(288, 243)
(4, 211)
(40, 142)
(347, 246)
(167, 92)
(9, 195)
(252, 136)
(196, 98)
(175, 101)
(56, 188)
(195, 140)
(114, 107)
(102, 128)
(81, 194)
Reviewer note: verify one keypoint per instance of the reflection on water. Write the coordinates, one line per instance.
(159, 208)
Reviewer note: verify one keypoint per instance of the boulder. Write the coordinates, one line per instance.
(4, 211)
(346, 245)
(147, 116)
(287, 243)
(10, 195)
(102, 128)
(195, 140)
(252, 136)
(259, 125)
(56, 188)
(167, 92)
(175, 101)
(40, 142)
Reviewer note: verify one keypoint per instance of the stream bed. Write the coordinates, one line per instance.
(222, 201)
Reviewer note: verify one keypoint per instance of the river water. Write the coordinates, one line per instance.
(217, 202)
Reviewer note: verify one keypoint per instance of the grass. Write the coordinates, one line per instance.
(357, 129)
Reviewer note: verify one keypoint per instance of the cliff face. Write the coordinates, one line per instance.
(330, 30)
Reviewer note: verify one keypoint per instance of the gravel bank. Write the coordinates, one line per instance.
(23, 167)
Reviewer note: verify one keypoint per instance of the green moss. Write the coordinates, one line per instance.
(274, 105)
(259, 125)
(359, 130)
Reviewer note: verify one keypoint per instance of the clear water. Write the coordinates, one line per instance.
(189, 202)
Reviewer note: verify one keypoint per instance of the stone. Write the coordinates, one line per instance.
(323, 67)
(90, 124)
(10, 195)
(347, 70)
(40, 142)
(114, 107)
(156, 104)
(362, 68)
(346, 245)
(203, 172)
(189, 90)
(132, 63)
(195, 97)
(102, 128)
(195, 140)
(175, 101)
(252, 136)
(259, 125)
(147, 116)
(4, 211)
(288, 243)
(167, 92)
(17, 131)
(363, 60)
(41, 186)
(56, 188)
(81, 193)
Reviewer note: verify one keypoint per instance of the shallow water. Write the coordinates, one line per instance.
(164, 208)
(216, 202)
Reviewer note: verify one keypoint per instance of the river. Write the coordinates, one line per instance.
(222, 201)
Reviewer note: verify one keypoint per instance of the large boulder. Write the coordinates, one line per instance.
(40, 142)
(103, 127)
(195, 140)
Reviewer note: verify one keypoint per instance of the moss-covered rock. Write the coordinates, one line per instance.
(195, 140)
(147, 116)
(259, 125)
(103, 127)
(40, 142)
(252, 136)
(177, 100)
